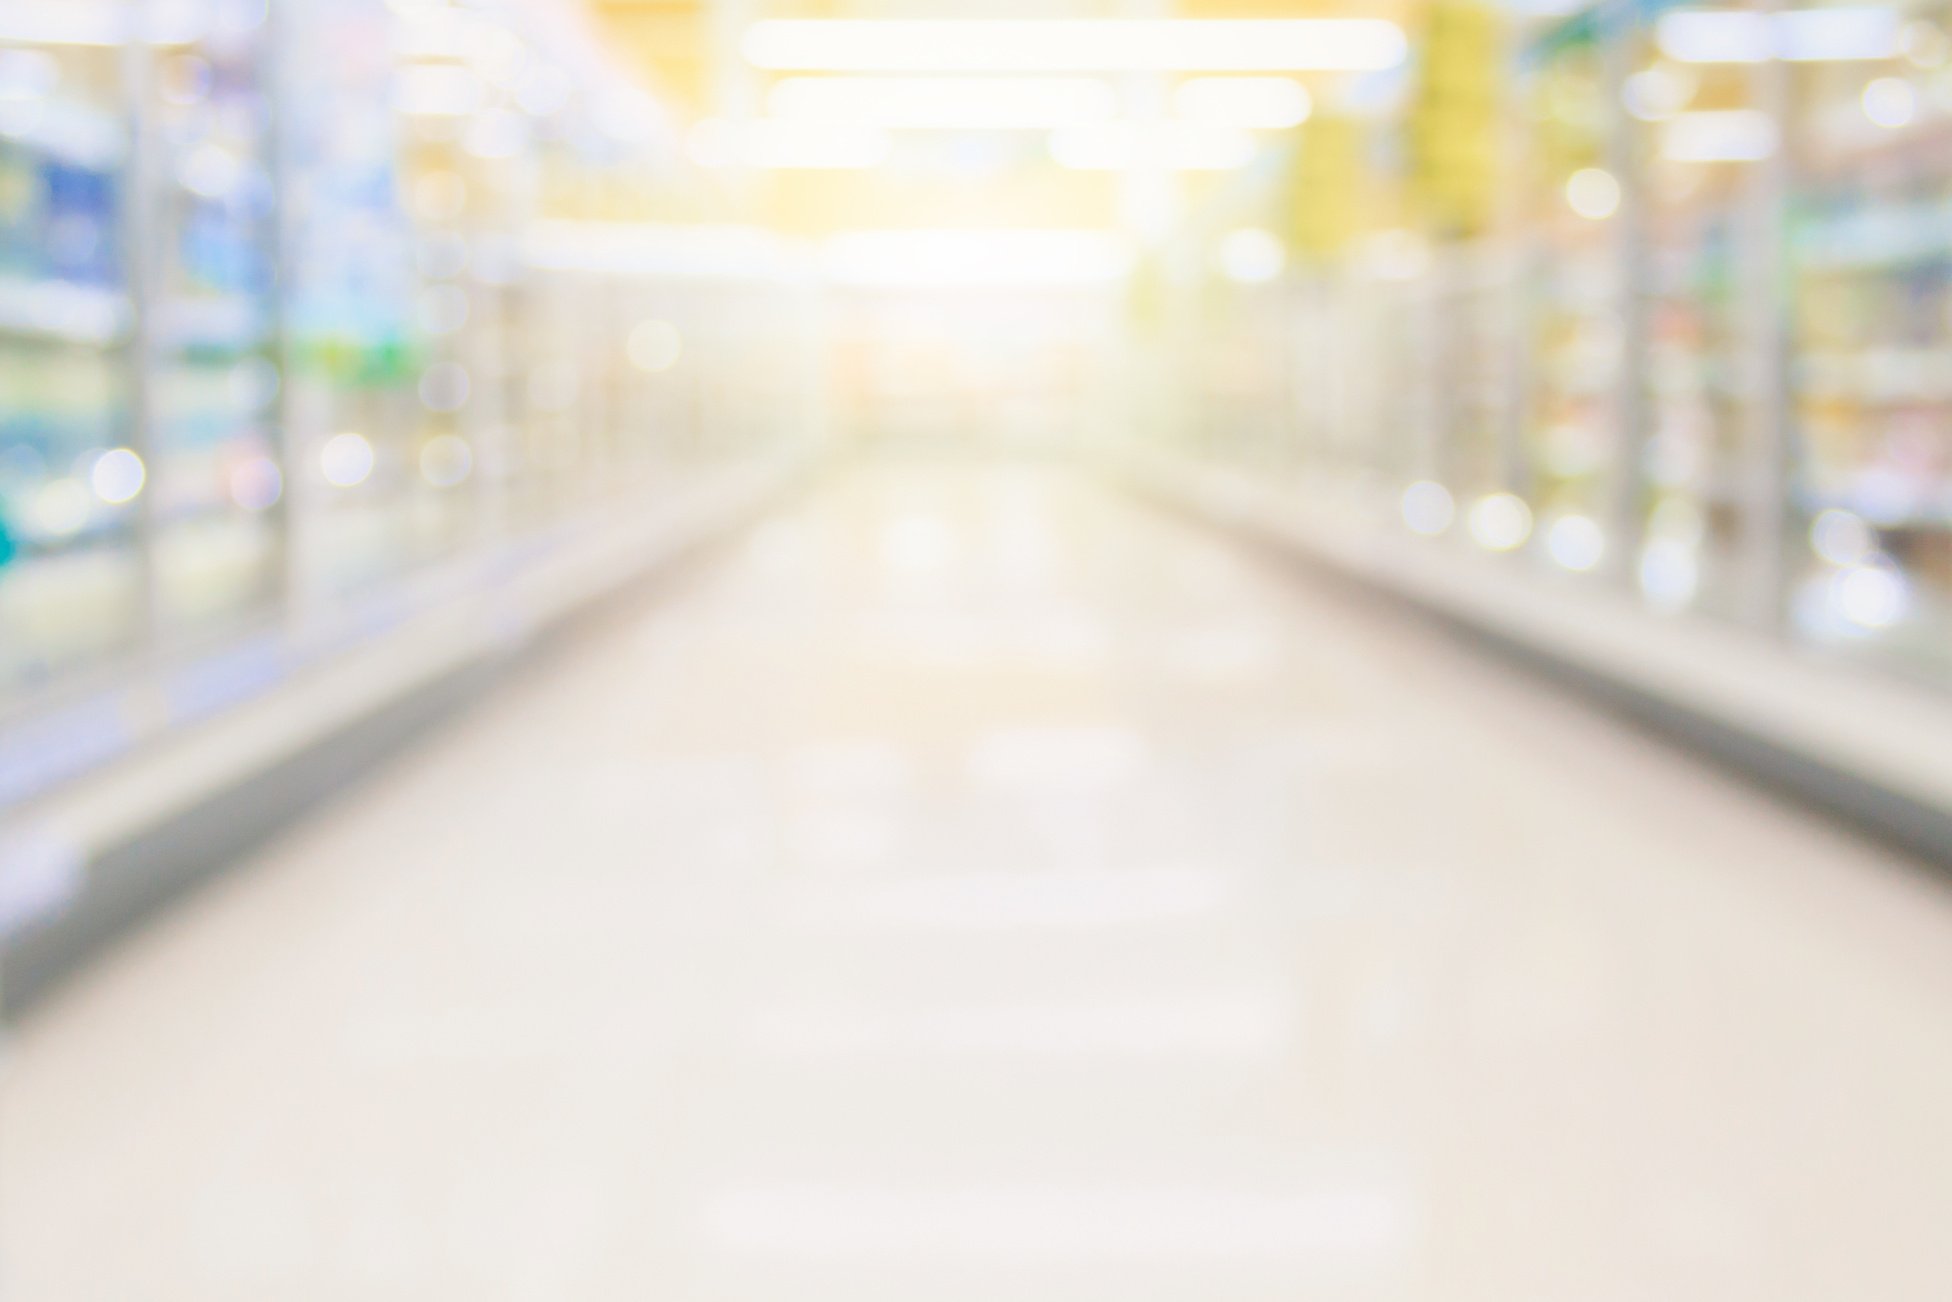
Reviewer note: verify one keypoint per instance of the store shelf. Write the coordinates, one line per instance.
(180, 779)
(1874, 751)
(62, 312)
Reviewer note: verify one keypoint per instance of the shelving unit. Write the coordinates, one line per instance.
(1707, 360)
(1872, 266)
(277, 365)
(74, 581)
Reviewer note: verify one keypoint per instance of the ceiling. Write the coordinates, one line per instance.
(679, 42)
(688, 49)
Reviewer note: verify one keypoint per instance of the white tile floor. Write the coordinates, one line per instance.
(976, 889)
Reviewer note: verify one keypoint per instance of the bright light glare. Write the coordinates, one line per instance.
(1720, 136)
(655, 346)
(1715, 36)
(1105, 45)
(1841, 537)
(1593, 193)
(945, 103)
(976, 259)
(1428, 508)
(1801, 35)
(1576, 543)
(1251, 256)
(1655, 94)
(99, 25)
(211, 172)
(1500, 522)
(117, 476)
(1843, 34)
(1669, 573)
(27, 76)
(1890, 102)
(1872, 596)
(1184, 147)
(775, 145)
(1249, 103)
(346, 460)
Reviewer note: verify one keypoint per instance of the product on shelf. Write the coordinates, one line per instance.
(1573, 300)
(69, 586)
(1870, 233)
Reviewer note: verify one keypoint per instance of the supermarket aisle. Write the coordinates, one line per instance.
(980, 888)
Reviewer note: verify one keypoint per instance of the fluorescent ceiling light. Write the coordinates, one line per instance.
(98, 23)
(1800, 35)
(1052, 45)
(945, 103)
(1181, 147)
(1254, 103)
(1825, 35)
(1715, 36)
(1251, 256)
(773, 145)
(977, 259)
(1719, 136)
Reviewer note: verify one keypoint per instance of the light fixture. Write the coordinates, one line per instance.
(1501, 522)
(118, 476)
(1800, 35)
(1839, 35)
(1873, 595)
(1842, 537)
(944, 103)
(71, 22)
(1890, 102)
(1178, 146)
(1251, 256)
(1575, 542)
(1593, 193)
(1056, 45)
(346, 460)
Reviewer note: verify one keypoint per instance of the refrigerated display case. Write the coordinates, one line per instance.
(1476, 305)
(71, 568)
(1871, 258)
(209, 203)
(1701, 149)
(1575, 309)
(279, 366)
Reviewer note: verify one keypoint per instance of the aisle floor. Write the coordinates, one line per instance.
(973, 887)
